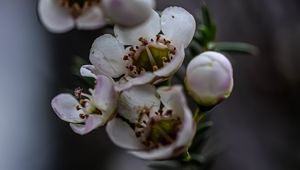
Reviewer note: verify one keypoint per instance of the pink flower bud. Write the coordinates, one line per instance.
(209, 78)
(128, 13)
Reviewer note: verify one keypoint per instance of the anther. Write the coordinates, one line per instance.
(131, 68)
(154, 67)
(157, 37)
(82, 102)
(138, 125)
(82, 116)
(125, 57)
(168, 112)
(78, 91)
(138, 134)
(132, 49)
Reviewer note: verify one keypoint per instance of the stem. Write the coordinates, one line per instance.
(186, 157)
(198, 116)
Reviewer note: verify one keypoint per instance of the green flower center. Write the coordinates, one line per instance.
(149, 56)
(85, 104)
(157, 129)
(162, 132)
(76, 7)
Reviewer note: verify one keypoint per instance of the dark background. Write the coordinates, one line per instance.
(257, 127)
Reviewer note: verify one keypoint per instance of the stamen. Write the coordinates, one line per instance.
(77, 92)
(83, 116)
(168, 112)
(83, 102)
(126, 57)
(150, 56)
(86, 95)
(157, 37)
(138, 134)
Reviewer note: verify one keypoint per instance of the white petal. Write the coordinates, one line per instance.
(149, 29)
(178, 25)
(54, 17)
(130, 82)
(93, 18)
(64, 106)
(172, 67)
(88, 71)
(91, 123)
(107, 56)
(122, 134)
(155, 154)
(127, 13)
(173, 98)
(188, 130)
(105, 96)
(151, 3)
(133, 100)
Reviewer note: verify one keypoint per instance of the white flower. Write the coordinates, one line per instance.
(209, 78)
(60, 16)
(153, 125)
(128, 12)
(91, 111)
(155, 52)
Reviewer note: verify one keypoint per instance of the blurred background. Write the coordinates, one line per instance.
(257, 127)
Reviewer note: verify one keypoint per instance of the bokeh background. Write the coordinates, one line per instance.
(257, 128)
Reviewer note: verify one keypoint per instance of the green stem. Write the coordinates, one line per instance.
(187, 157)
(198, 116)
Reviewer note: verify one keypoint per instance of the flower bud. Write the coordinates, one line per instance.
(209, 78)
(128, 13)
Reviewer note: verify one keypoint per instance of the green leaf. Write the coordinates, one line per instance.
(203, 127)
(206, 31)
(236, 47)
(205, 14)
(201, 136)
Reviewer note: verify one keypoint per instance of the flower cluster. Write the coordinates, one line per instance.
(151, 121)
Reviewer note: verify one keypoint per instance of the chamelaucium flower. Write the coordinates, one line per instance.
(153, 124)
(128, 12)
(209, 78)
(86, 112)
(60, 16)
(155, 49)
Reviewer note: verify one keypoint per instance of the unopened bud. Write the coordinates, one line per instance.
(128, 13)
(209, 78)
